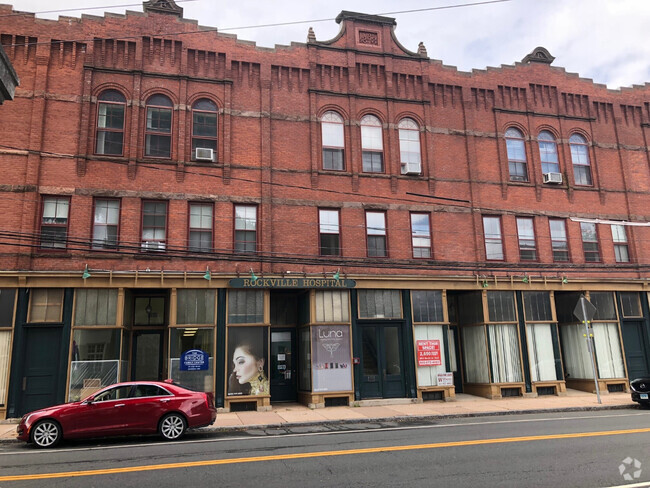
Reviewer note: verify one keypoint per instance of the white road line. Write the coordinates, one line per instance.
(313, 434)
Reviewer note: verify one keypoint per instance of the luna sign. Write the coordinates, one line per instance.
(194, 360)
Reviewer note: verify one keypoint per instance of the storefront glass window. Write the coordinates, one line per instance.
(537, 305)
(95, 361)
(96, 307)
(540, 352)
(332, 368)
(195, 307)
(380, 304)
(476, 364)
(245, 306)
(608, 350)
(501, 306)
(604, 303)
(7, 300)
(46, 304)
(631, 304)
(504, 353)
(430, 351)
(577, 361)
(248, 355)
(332, 306)
(195, 374)
(5, 348)
(427, 305)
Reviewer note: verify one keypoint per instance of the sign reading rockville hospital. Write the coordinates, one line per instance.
(291, 283)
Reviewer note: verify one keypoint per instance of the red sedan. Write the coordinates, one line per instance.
(142, 407)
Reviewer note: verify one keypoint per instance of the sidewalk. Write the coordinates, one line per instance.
(464, 406)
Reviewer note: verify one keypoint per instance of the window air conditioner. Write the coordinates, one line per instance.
(204, 154)
(153, 246)
(552, 177)
(411, 169)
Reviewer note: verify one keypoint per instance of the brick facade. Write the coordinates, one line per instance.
(269, 154)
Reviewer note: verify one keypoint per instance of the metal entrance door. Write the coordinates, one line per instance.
(283, 365)
(147, 358)
(381, 362)
(42, 358)
(636, 350)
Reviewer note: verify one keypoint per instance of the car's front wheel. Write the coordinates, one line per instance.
(46, 433)
(172, 426)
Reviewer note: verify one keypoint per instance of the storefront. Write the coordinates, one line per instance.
(319, 342)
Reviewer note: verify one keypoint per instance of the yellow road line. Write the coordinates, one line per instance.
(370, 450)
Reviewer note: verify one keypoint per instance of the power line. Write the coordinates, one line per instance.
(276, 24)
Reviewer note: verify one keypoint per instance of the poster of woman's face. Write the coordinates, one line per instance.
(247, 361)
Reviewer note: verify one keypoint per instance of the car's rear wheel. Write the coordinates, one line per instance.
(172, 426)
(46, 433)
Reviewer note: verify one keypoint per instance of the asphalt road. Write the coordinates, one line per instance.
(579, 449)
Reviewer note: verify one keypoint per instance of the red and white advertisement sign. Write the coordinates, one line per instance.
(429, 353)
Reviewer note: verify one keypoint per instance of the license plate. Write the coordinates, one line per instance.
(643, 396)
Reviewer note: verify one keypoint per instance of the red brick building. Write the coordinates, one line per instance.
(348, 219)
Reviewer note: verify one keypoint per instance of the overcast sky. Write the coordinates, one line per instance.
(605, 40)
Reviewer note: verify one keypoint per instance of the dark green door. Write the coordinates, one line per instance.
(147, 361)
(381, 362)
(636, 350)
(41, 373)
(283, 365)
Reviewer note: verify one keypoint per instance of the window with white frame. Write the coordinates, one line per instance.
(372, 148)
(548, 152)
(559, 241)
(580, 160)
(106, 223)
(409, 146)
(420, 235)
(54, 222)
(246, 228)
(111, 107)
(154, 226)
(158, 132)
(329, 232)
(376, 234)
(590, 242)
(333, 141)
(204, 130)
(516, 150)
(200, 231)
(621, 249)
(493, 239)
(526, 236)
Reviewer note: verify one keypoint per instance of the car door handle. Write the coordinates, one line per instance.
(163, 400)
(119, 405)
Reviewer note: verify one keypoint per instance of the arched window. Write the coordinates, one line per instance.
(409, 147)
(372, 148)
(110, 123)
(333, 141)
(580, 160)
(516, 155)
(204, 130)
(158, 135)
(548, 152)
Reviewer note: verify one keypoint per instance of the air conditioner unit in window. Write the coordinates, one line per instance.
(153, 246)
(552, 178)
(204, 154)
(411, 169)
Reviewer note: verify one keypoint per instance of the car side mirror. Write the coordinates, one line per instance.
(89, 400)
